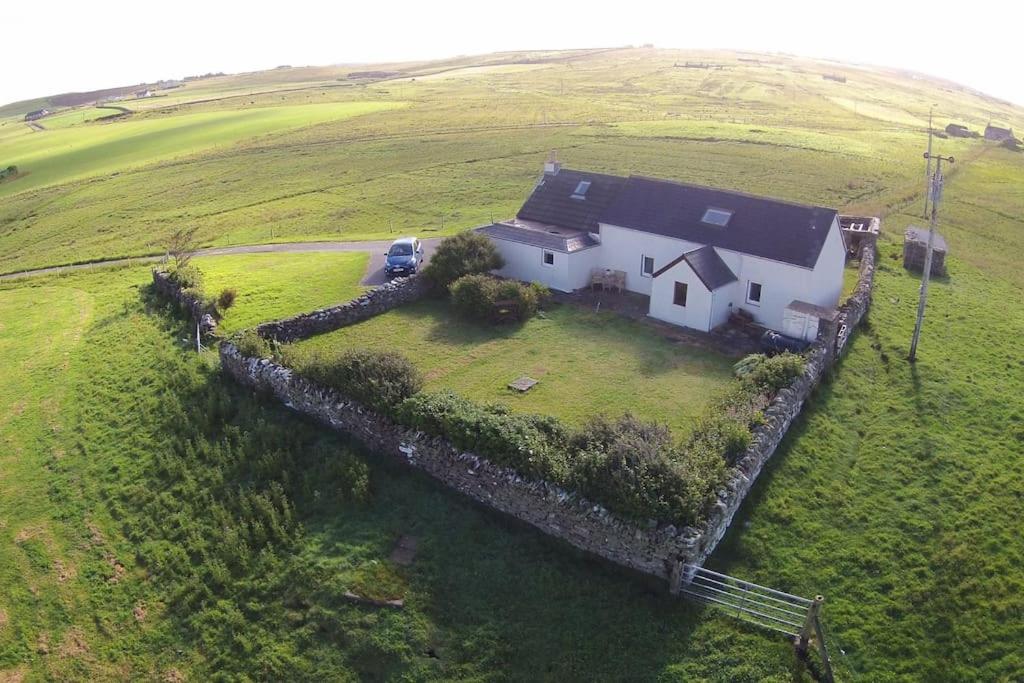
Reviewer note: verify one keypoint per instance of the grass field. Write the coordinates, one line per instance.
(74, 117)
(587, 363)
(63, 155)
(272, 286)
(158, 522)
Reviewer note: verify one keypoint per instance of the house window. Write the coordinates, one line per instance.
(549, 258)
(679, 297)
(647, 266)
(753, 292)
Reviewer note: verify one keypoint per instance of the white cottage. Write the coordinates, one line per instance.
(699, 253)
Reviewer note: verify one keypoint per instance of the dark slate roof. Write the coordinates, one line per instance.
(552, 203)
(569, 242)
(708, 266)
(920, 235)
(769, 228)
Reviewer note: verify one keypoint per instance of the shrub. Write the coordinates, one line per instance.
(729, 436)
(227, 298)
(533, 445)
(476, 297)
(378, 379)
(467, 253)
(473, 296)
(187, 276)
(249, 343)
(770, 373)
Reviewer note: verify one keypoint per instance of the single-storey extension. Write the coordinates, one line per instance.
(699, 253)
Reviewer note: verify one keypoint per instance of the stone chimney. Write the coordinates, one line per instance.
(552, 166)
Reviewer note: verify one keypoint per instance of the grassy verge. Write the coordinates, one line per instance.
(273, 286)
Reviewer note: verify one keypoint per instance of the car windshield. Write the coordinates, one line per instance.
(400, 250)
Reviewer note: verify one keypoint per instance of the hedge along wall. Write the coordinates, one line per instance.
(660, 550)
(196, 309)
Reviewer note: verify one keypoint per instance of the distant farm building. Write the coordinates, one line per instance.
(37, 114)
(998, 134)
(915, 248)
(834, 77)
(139, 94)
(957, 130)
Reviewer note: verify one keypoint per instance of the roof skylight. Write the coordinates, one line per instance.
(719, 217)
(581, 190)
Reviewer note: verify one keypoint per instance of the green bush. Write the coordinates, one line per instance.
(187, 277)
(533, 445)
(249, 343)
(467, 253)
(476, 297)
(227, 298)
(770, 373)
(378, 379)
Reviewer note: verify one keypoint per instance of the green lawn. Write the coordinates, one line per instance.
(273, 286)
(587, 363)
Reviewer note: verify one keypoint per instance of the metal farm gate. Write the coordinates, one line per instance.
(792, 615)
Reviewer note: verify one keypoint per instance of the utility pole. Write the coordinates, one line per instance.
(936, 194)
(928, 164)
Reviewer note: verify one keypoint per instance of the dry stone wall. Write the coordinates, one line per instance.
(656, 549)
(393, 294)
(186, 301)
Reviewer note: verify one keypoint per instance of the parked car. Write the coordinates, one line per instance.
(404, 257)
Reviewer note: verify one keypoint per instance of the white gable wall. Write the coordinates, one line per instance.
(827, 280)
(623, 249)
(699, 301)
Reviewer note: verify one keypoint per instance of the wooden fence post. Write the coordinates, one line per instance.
(813, 610)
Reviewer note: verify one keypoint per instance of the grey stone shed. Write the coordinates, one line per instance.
(915, 246)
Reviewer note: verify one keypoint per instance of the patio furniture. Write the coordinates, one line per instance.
(608, 279)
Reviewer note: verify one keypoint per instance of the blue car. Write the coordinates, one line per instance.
(404, 257)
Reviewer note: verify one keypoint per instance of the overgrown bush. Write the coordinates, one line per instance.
(378, 379)
(533, 445)
(227, 298)
(477, 297)
(187, 277)
(467, 253)
(249, 343)
(770, 373)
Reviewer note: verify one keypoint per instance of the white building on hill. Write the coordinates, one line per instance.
(699, 253)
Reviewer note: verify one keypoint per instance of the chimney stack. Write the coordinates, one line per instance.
(552, 166)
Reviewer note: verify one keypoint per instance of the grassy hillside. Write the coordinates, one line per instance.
(158, 522)
(467, 146)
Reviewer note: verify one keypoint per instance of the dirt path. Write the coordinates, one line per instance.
(374, 270)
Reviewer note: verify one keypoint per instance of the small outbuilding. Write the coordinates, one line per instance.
(802, 320)
(37, 114)
(915, 248)
(998, 134)
(958, 130)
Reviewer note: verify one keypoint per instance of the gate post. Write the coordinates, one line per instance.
(675, 578)
(813, 610)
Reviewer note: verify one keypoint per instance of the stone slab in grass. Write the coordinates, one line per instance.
(405, 551)
(523, 384)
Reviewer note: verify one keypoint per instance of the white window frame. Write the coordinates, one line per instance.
(760, 294)
(544, 253)
(714, 209)
(643, 262)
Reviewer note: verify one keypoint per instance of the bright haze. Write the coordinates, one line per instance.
(76, 46)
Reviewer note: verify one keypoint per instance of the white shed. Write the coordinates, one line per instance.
(801, 320)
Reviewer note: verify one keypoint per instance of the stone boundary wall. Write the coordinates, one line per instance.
(555, 511)
(659, 550)
(784, 408)
(397, 292)
(196, 309)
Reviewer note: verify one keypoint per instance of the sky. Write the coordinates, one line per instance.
(73, 46)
